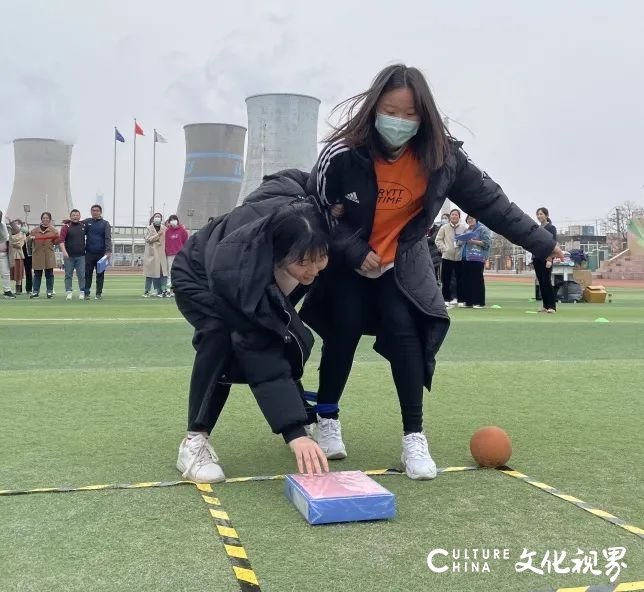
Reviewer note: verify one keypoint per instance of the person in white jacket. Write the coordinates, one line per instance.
(451, 254)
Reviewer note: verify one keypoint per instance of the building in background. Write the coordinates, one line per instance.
(578, 229)
(214, 172)
(282, 134)
(41, 180)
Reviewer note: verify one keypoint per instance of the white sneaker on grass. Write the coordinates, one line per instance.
(311, 430)
(69, 296)
(453, 301)
(328, 435)
(417, 462)
(198, 461)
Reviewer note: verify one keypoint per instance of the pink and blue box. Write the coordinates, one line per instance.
(343, 496)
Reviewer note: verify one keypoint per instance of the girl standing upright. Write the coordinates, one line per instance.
(476, 249)
(543, 266)
(155, 264)
(175, 237)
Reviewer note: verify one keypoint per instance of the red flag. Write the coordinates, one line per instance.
(138, 130)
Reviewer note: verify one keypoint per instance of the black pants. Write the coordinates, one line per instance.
(28, 274)
(91, 259)
(207, 395)
(452, 270)
(398, 331)
(473, 283)
(544, 277)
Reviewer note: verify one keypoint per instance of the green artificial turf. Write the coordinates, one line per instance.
(95, 392)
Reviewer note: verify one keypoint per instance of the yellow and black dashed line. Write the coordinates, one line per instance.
(623, 587)
(639, 532)
(235, 551)
(150, 484)
(101, 487)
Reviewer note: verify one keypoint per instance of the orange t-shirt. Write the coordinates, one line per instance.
(401, 188)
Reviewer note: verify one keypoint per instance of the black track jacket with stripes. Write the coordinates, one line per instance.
(346, 176)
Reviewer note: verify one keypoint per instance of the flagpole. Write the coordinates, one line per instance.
(114, 193)
(134, 191)
(154, 168)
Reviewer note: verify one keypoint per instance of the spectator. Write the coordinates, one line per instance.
(5, 271)
(27, 251)
(155, 264)
(451, 255)
(98, 243)
(16, 254)
(176, 236)
(44, 237)
(72, 245)
(543, 267)
(476, 249)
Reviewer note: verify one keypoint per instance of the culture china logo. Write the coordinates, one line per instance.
(608, 562)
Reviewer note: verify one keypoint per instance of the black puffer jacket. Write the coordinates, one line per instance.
(346, 175)
(223, 280)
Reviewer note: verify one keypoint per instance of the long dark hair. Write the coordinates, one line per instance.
(430, 145)
(298, 232)
(546, 213)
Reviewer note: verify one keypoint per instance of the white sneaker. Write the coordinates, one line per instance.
(81, 295)
(311, 430)
(328, 435)
(198, 461)
(453, 301)
(461, 305)
(417, 462)
(69, 296)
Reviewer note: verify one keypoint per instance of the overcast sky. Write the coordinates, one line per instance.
(553, 91)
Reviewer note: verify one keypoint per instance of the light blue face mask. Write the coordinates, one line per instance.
(396, 131)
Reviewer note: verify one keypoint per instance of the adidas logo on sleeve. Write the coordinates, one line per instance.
(352, 197)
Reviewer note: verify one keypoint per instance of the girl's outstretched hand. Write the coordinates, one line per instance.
(309, 456)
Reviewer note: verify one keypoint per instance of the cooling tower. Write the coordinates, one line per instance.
(214, 171)
(41, 179)
(282, 134)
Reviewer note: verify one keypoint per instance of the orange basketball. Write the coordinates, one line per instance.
(491, 447)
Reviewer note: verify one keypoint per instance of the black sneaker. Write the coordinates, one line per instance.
(50, 295)
(34, 295)
(86, 296)
(9, 294)
(98, 297)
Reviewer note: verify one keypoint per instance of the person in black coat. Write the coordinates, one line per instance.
(385, 171)
(543, 266)
(232, 282)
